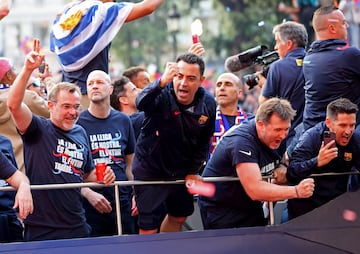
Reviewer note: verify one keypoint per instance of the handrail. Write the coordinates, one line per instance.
(137, 182)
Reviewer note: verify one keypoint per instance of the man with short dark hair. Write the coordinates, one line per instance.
(173, 143)
(123, 98)
(313, 156)
(138, 76)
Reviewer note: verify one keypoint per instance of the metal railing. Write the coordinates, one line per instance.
(132, 183)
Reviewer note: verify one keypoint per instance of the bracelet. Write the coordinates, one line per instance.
(297, 193)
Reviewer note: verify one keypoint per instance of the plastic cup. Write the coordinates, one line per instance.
(100, 171)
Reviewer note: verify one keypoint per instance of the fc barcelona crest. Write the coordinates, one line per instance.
(347, 156)
(203, 119)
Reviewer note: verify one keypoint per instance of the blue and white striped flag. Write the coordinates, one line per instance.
(83, 29)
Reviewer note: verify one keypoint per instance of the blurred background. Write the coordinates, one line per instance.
(229, 27)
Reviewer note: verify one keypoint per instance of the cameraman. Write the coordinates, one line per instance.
(285, 78)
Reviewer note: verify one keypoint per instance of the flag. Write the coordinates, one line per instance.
(83, 29)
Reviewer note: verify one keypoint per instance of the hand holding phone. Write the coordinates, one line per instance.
(42, 68)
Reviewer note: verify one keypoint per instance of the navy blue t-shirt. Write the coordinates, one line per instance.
(55, 156)
(240, 144)
(8, 167)
(6, 197)
(331, 71)
(111, 139)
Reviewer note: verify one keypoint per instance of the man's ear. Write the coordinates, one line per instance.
(50, 104)
(123, 100)
(240, 94)
(260, 123)
(328, 122)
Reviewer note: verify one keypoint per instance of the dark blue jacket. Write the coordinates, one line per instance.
(331, 71)
(174, 139)
(303, 163)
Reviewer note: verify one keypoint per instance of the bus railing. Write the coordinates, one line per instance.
(132, 183)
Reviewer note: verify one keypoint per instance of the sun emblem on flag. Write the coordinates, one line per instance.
(72, 21)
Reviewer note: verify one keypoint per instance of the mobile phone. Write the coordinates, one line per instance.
(42, 68)
(328, 136)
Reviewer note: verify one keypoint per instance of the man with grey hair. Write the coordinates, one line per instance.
(285, 78)
(248, 151)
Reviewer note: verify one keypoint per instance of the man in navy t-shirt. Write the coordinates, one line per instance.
(248, 151)
(11, 228)
(56, 151)
(112, 141)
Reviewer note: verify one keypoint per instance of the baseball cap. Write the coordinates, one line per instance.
(5, 66)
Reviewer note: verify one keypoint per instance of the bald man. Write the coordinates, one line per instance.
(228, 92)
(112, 141)
(331, 68)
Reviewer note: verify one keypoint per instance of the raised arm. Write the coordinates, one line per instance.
(20, 112)
(143, 8)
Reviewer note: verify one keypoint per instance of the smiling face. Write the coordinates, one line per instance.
(187, 82)
(64, 112)
(273, 132)
(343, 126)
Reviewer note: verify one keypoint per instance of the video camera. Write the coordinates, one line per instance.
(257, 55)
(252, 80)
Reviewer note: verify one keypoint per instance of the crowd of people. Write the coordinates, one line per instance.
(173, 129)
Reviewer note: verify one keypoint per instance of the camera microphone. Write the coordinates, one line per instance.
(233, 64)
(245, 59)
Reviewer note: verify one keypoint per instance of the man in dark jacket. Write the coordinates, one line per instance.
(173, 143)
(313, 155)
(331, 67)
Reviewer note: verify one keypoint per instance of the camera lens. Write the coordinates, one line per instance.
(251, 80)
